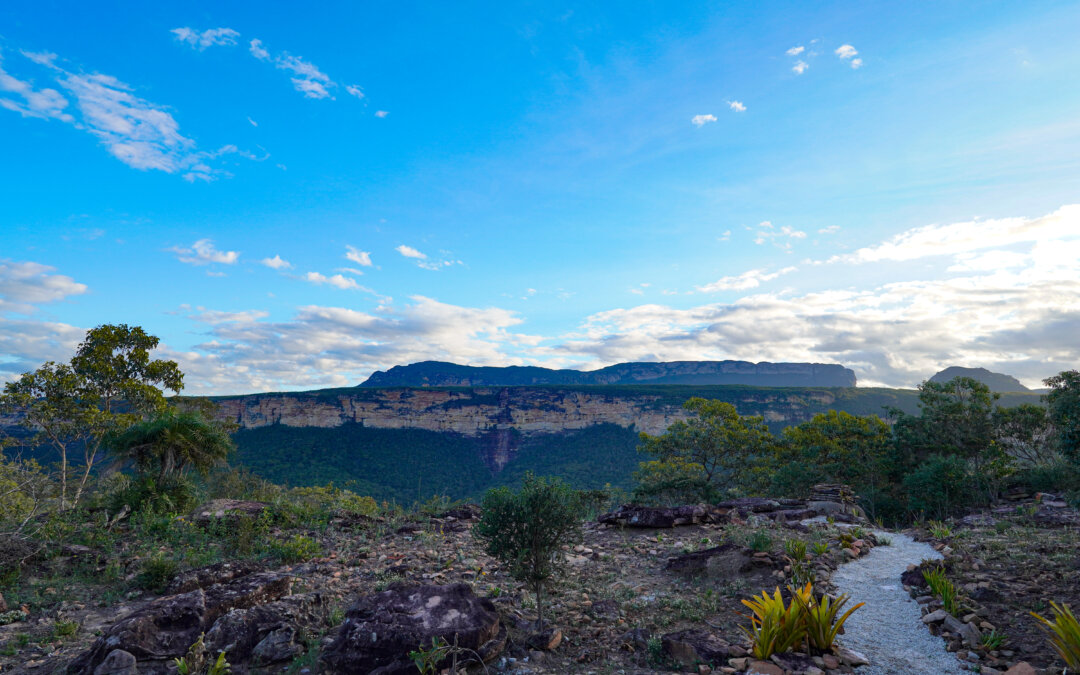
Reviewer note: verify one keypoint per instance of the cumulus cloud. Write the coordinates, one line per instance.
(795, 51)
(141, 134)
(337, 281)
(702, 120)
(800, 67)
(276, 263)
(745, 281)
(856, 64)
(737, 106)
(846, 51)
(207, 38)
(26, 284)
(362, 258)
(203, 252)
(410, 252)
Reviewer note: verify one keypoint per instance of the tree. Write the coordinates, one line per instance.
(833, 447)
(170, 443)
(1023, 432)
(526, 530)
(110, 382)
(727, 446)
(1063, 403)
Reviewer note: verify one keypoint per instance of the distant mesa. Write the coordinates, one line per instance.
(996, 381)
(443, 374)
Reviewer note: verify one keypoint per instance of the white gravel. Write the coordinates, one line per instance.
(888, 630)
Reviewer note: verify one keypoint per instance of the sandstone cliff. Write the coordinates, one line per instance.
(442, 374)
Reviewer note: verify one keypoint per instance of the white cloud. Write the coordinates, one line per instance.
(737, 106)
(973, 235)
(139, 133)
(215, 318)
(355, 90)
(350, 270)
(702, 120)
(26, 284)
(276, 263)
(846, 51)
(203, 252)
(856, 64)
(381, 113)
(795, 51)
(767, 233)
(337, 281)
(253, 122)
(207, 38)
(725, 236)
(800, 67)
(308, 79)
(829, 230)
(258, 51)
(745, 281)
(410, 252)
(362, 258)
(437, 265)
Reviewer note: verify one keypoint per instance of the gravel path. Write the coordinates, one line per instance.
(888, 630)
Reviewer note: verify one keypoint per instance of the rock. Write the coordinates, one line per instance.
(228, 509)
(756, 667)
(636, 640)
(278, 645)
(690, 647)
(205, 577)
(850, 657)
(751, 505)
(463, 512)
(381, 629)
(739, 663)
(3, 604)
(725, 561)
(659, 516)
(545, 640)
(967, 631)
(830, 661)
(796, 663)
(118, 662)
(165, 628)
(246, 633)
(1022, 668)
(935, 616)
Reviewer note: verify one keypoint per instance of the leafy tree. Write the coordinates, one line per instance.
(939, 485)
(1063, 403)
(1022, 432)
(170, 443)
(527, 529)
(727, 446)
(672, 481)
(833, 447)
(109, 383)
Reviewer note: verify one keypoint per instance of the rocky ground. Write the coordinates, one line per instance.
(644, 591)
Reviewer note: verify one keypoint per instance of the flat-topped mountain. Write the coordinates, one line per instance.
(443, 374)
(996, 381)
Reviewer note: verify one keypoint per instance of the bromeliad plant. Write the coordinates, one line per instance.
(777, 627)
(944, 588)
(1064, 633)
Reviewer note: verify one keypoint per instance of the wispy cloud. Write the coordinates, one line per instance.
(737, 106)
(381, 113)
(702, 120)
(800, 67)
(203, 252)
(337, 281)
(354, 90)
(26, 284)
(207, 38)
(362, 258)
(276, 263)
(216, 318)
(306, 76)
(795, 51)
(410, 252)
(829, 230)
(141, 134)
(745, 281)
(255, 47)
(781, 237)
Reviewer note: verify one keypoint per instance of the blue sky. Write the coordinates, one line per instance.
(292, 197)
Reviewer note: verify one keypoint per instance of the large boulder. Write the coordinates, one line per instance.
(750, 505)
(660, 516)
(381, 629)
(166, 628)
(725, 562)
(693, 647)
(228, 509)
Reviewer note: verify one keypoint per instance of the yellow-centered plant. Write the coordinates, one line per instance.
(1064, 634)
(775, 626)
(822, 626)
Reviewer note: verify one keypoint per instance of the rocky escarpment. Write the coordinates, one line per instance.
(480, 411)
(442, 374)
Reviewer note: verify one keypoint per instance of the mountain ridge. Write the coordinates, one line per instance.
(999, 382)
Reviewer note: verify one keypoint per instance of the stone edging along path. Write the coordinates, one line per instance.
(888, 629)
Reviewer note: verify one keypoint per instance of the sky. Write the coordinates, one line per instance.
(292, 197)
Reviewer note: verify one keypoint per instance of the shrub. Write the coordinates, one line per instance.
(1064, 633)
(820, 616)
(526, 529)
(820, 548)
(156, 573)
(775, 627)
(297, 549)
(175, 494)
(939, 530)
(795, 549)
(760, 541)
(943, 587)
(939, 486)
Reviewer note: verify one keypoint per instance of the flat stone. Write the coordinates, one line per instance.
(763, 668)
(935, 616)
(1022, 668)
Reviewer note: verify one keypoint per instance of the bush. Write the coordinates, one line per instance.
(173, 495)
(821, 617)
(297, 549)
(939, 486)
(526, 529)
(775, 627)
(156, 573)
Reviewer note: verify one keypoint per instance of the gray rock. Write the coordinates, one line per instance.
(118, 662)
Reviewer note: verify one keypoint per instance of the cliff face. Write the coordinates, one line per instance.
(441, 374)
(480, 411)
